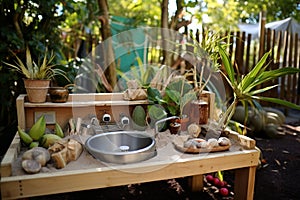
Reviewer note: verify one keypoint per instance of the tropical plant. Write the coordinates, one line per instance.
(177, 95)
(142, 73)
(42, 70)
(247, 89)
(206, 58)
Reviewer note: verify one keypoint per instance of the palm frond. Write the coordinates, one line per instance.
(254, 73)
(277, 101)
(227, 65)
(262, 90)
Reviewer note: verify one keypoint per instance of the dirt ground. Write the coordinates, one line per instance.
(276, 178)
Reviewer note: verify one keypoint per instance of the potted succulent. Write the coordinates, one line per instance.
(37, 76)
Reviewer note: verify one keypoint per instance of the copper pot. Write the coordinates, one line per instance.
(58, 94)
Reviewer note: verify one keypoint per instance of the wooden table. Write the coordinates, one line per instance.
(169, 163)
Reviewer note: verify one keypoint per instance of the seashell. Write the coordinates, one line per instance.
(203, 144)
(213, 142)
(190, 144)
(223, 141)
(31, 166)
(39, 154)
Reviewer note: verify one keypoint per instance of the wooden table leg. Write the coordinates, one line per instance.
(244, 183)
(196, 183)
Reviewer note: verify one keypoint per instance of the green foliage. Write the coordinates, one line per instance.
(156, 112)
(32, 23)
(225, 15)
(275, 9)
(247, 89)
(143, 74)
(145, 12)
(81, 24)
(44, 69)
(178, 94)
(154, 96)
(139, 118)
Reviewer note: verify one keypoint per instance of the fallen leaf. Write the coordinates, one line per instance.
(266, 165)
(277, 161)
(291, 133)
(286, 152)
(293, 128)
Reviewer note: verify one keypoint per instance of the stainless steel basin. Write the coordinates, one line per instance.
(121, 147)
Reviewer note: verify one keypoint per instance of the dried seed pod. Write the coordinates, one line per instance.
(74, 150)
(65, 151)
(60, 158)
(57, 146)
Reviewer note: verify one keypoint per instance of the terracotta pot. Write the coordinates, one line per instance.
(59, 94)
(178, 125)
(36, 90)
(174, 128)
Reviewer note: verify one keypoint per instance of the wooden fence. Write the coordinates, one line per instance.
(245, 52)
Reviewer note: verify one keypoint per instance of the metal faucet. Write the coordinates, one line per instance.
(160, 121)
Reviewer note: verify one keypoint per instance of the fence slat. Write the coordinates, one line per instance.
(249, 36)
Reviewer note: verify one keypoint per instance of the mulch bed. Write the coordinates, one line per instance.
(278, 175)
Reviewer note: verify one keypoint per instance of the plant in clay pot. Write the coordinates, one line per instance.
(37, 75)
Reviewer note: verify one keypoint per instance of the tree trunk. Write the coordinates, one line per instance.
(164, 30)
(109, 57)
(169, 30)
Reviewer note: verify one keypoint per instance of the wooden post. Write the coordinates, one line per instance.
(196, 183)
(244, 183)
(262, 23)
(21, 111)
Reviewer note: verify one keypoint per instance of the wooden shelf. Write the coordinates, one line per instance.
(85, 100)
(85, 104)
(78, 105)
